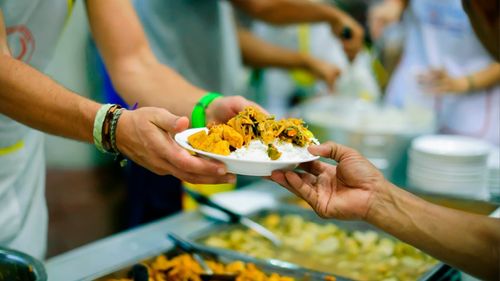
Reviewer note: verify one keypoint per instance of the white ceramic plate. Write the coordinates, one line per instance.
(452, 147)
(241, 166)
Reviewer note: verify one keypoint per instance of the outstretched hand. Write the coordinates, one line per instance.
(345, 191)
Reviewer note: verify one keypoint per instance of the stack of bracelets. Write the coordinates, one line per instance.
(105, 123)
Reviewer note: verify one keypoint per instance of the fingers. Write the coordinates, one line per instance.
(332, 75)
(246, 103)
(332, 150)
(314, 167)
(168, 121)
(182, 160)
(301, 187)
(279, 178)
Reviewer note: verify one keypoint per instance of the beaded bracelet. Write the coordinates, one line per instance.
(114, 123)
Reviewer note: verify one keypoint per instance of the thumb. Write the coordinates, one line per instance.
(170, 122)
(332, 150)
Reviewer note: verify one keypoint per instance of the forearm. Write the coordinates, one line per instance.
(290, 11)
(32, 98)
(470, 242)
(134, 70)
(259, 53)
(155, 85)
(485, 78)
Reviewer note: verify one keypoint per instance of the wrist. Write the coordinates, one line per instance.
(463, 85)
(305, 61)
(383, 202)
(202, 111)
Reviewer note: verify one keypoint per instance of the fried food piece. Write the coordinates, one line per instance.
(221, 147)
(228, 134)
(212, 143)
(198, 140)
(234, 138)
(185, 268)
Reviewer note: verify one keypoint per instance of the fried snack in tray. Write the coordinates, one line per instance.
(185, 268)
(251, 124)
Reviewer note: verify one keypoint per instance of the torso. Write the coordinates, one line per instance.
(439, 35)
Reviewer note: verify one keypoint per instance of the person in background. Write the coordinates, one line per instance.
(206, 46)
(355, 189)
(444, 67)
(31, 101)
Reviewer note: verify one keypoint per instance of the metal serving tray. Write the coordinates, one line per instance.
(226, 257)
(438, 272)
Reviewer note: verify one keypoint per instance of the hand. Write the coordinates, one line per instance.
(354, 42)
(146, 135)
(382, 15)
(345, 191)
(322, 70)
(225, 108)
(437, 81)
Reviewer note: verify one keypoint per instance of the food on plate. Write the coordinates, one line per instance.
(251, 127)
(359, 255)
(185, 268)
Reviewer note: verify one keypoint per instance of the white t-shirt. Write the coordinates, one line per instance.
(439, 35)
(33, 28)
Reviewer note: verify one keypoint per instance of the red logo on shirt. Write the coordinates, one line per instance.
(23, 44)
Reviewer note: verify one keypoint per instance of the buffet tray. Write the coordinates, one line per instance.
(435, 273)
(226, 257)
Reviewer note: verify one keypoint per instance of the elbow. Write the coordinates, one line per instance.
(130, 65)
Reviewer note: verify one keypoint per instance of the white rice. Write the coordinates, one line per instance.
(257, 150)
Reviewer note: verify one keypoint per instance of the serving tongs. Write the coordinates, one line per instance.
(232, 217)
(208, 274)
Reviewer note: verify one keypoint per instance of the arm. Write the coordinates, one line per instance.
(467, 241)
(258, 53)
(300, 11)
(355, 189)
(32, 98)
(439, 82)
(136, 73)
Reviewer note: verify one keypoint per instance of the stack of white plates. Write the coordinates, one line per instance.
(449, 164)
(494, 172)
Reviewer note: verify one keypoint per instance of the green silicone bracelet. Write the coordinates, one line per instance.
(198, 116)
(97, 132)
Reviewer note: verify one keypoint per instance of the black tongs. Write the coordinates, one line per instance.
(234, 217)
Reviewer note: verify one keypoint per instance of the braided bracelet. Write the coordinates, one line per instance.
(98, 124)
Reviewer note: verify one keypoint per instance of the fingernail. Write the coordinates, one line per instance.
(221, 171)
